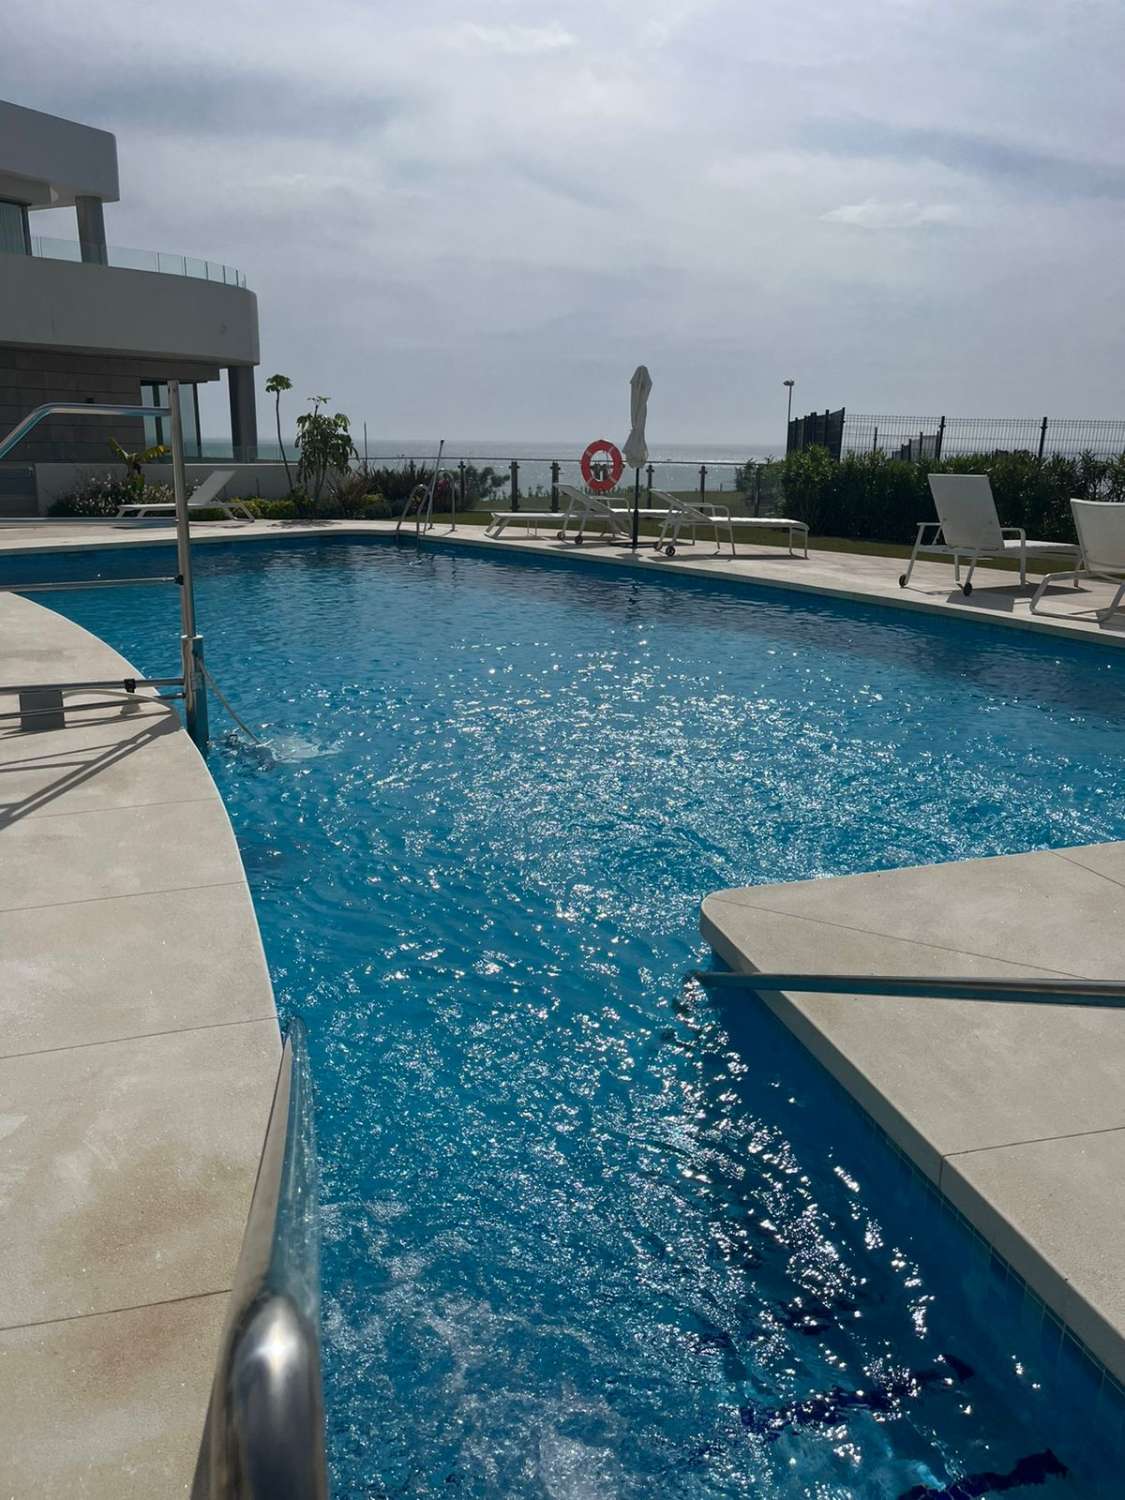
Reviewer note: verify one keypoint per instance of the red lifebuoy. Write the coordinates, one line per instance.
(601, 484)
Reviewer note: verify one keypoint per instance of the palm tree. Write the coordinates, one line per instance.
(275, 385)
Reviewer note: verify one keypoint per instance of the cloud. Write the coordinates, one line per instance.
(905, 215)
(1023, 167)
(476, 219)
(508, 41)
(241, 103)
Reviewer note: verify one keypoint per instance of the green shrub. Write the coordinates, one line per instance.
(347, 494)
(396, 485)
(102, 494)
(870, 497)
(273, 510)
(366, 507)
(760, 483)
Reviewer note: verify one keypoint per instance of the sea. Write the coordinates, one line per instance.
(676, 465)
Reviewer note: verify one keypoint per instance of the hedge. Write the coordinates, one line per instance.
(870, 497)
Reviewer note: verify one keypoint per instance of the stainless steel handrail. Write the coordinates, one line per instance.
(192, 683)
(126, 684)
(87, 583)
(49, 695)
(264, 1434)
(1103, 992)
(73, 409)
(428, 524)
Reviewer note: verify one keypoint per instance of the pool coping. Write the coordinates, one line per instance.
(138, 1057)
(1012, 1114)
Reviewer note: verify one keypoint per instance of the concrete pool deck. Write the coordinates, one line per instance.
(139, 1048)
(1016, 1114)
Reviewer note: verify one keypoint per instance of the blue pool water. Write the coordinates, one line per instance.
(590, 1234)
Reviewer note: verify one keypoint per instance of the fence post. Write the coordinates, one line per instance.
(757, 489)
(1042, 438)
(555, 484)
(648, 486)
(515, 472)
(940, 438)
(461, 481)
(875, 441)
(702, 483)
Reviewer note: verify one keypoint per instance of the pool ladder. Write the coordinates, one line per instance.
(42, 704)
(421, 507)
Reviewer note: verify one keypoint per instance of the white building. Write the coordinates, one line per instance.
(83, 321)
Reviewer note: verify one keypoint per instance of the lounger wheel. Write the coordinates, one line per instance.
(902, 580)
(966, 589)
(560, 536)
(669, 550)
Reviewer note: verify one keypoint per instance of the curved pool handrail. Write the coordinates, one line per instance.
(1031, 991)
(39, 414)
(264, 1433)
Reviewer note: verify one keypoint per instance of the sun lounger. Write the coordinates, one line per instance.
(1101, 538)
(582, 511)
(556, 520)
(585, 512)
(206, 497)
(968, 529)
(694, 515)
(615, 520)
(530, 518)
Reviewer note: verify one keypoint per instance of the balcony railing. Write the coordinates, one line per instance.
(140, 260)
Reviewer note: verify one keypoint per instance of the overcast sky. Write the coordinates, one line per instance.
(476, 220)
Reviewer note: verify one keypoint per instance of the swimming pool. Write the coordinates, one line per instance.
(588, 1234)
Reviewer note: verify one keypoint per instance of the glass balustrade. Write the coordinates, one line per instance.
(46, 248)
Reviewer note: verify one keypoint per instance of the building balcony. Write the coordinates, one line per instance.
(163, 261)
(152, 307)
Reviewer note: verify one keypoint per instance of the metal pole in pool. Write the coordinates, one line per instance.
(191, 643)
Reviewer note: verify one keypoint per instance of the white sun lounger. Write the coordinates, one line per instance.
(582, 511)
(617, 519)
(968, 529)
(694, 515)
(1101, 537)
(206, 497)
(580, 508)
(533, 519)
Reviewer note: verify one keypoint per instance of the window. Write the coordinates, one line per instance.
(159, 429)
(14, 236)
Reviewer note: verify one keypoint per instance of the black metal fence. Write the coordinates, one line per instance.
(820, 429)
(948, 437)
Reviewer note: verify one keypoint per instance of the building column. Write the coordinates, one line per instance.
(91, 230)
(243, 413)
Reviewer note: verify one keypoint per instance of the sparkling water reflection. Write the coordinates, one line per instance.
(587, 1233)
